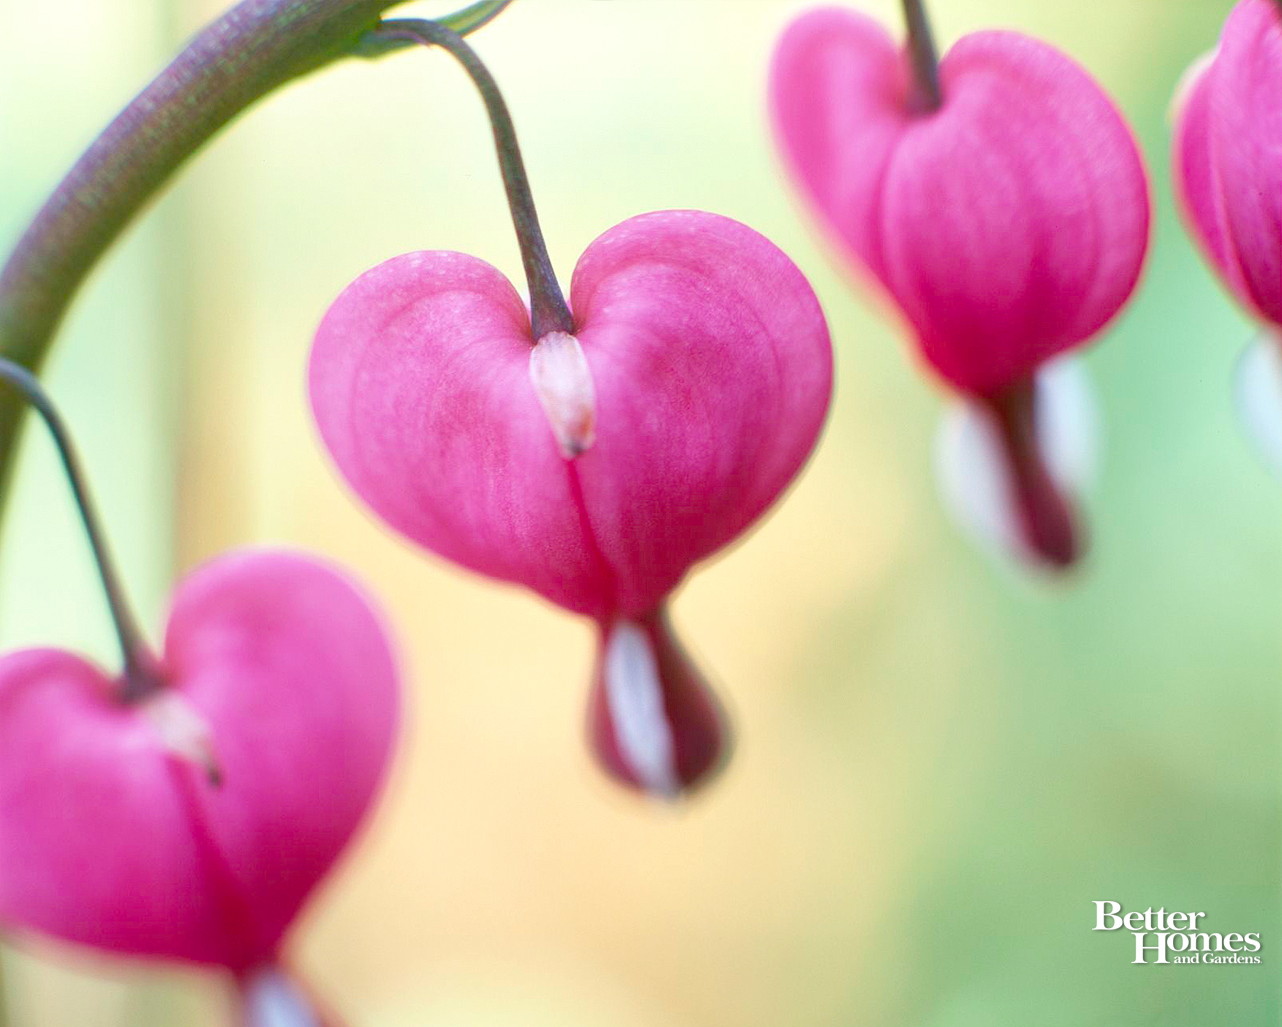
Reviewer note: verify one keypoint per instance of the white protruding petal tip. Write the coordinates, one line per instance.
(1259, 397)
(272, 1000)
(970, 466)
(634, 697)
(184, 732)
(562, 381)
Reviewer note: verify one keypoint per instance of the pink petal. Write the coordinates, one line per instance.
(838, 94)
(96, 845)
(1194, 174)
(1245, 130)
(420, 384)
(1009, 225)
(711, 372)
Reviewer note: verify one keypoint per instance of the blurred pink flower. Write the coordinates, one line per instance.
(1227, 159)
(1008, 224)
(279, 684)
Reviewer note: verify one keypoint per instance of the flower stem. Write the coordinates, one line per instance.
(921, 50)
(141, 669)
(548, 310)
(252, 50)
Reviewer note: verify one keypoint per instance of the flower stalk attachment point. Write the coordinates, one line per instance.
(548, 309)
(925, 61)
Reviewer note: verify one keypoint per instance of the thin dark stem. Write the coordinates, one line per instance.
(925, 62)
(548, 310)
(140, 667)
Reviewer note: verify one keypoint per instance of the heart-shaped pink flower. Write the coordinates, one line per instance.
(1227, 171)
(594, 467)
(279, 681)
(1009, 224)
(997, 196)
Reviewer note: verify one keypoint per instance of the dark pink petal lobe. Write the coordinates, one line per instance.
(713, 373)
(1016, 220)
(1194, 174)
(95, 841)
(107, 840)
(711, 369)
(1009, 225)
(838, 98)
(1245, 129)
(291, 669)
(420, 387)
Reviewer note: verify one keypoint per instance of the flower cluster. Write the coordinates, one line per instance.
(595, 447)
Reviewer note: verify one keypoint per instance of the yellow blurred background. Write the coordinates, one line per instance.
(939, 765)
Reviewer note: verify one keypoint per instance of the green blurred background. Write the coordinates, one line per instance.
(940, 765)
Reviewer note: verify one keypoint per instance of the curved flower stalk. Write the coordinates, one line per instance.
(1228, 180)
(997, 197)
(187, 807)
(591, 450)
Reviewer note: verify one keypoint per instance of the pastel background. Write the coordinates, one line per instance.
(939, 765)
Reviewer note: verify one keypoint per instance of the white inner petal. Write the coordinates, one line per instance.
(562, 380)
(970, 463)
(1259, 397)
(183, 731)
(272, 1000)
(634, 697)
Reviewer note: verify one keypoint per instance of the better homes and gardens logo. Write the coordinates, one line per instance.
(1162, 937)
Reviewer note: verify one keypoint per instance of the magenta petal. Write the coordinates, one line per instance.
(838, 99)
(420, 386)
(1245, 130)
(711, 373)
(1194, 174)
(95, 842)
(109, 841)
(1009, 225)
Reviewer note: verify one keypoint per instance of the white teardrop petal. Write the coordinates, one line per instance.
(183, 731)
(1068, 423)
(634, 698)
(1259, 397)
(562, 381)
(273, 1000)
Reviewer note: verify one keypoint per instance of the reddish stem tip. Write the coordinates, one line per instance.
(1046, 518)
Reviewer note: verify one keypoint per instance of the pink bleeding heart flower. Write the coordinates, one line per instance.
(705, 365)
(1227, 172)
(193, 822)
(997, 197)
(597, 454)
(187, 807)
(1228, 180)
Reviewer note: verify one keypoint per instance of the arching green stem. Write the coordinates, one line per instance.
(141, 670)
(250, 51)
(548, 310)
